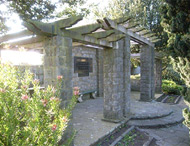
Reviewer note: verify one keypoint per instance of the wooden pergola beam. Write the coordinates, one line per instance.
(68, 22)
(114, 38)
(122, 20)
(46, 29)
(153, 38)
(150, 35)
(16, 35)
(120, 28)
(88, 39)
(145, 32)
(156, 40)
(102, 34)
(135, 30)
(86, 29)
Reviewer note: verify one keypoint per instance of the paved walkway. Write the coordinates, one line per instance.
(87, 121)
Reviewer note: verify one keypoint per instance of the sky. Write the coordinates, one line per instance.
(25, 57)
(15, 24)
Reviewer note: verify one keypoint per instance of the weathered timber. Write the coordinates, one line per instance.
(16, 35)
(153, 38)
(122, 20)
(130, 25)
(48, 31)
(40, 28)
(114, 38)
(86, 29)
(102, 34)
(133, 35)
(51, 28)
(138, 29)
(150, 35)
(68, 22)
(88, 39)
(156, 40)
(145, 32)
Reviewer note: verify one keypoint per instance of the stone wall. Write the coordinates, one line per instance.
(38, 72)
(88, 82)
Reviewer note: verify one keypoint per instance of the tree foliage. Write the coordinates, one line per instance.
(176, 22)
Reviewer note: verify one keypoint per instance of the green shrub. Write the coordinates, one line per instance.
(170, 87)
(136, 77)
(28, 120)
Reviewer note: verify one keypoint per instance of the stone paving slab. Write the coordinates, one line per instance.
(173, 136)
(87, 121)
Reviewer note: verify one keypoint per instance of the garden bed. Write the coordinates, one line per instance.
(126, 136)
(133, 138)
(170, 99)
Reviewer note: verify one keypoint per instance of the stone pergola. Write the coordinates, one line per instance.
(114, 36)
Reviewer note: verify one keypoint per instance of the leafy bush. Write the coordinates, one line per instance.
(136, 77)
(170, 74)
(28, 120)
(170, 87)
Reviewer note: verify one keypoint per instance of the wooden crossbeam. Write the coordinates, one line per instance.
(47, 30)
(40, 28)
(122, 20)
(130, 25)
(155, 41)
(120, 28)
(145, 32)
(153, 38)
(114, 38)
(135, 30)
(68, 22)
(86, 29)
(16, 35)
(103, 34)
(88, 39)
(150, 35)
(50, 29)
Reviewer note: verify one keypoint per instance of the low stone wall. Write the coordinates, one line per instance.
(135, 85)
(38, 72)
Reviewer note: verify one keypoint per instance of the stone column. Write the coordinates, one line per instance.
(113, 84)
(127, 74)
(58, 61)
(100, 78)
(147, 73)
(158, 75)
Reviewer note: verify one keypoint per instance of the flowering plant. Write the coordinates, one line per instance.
(30, 119)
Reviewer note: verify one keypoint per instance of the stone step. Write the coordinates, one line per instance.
(174, 118)
(149, 110)
(152, 116)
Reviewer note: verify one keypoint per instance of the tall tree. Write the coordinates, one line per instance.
(176, 22)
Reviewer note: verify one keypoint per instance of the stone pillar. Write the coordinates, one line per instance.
(158, 75)
(58, 61)
(147, 73)
(127, 74)
(100, 78)
(113, 84)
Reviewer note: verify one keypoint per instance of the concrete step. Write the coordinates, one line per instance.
(172, 119)
(149, 110)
